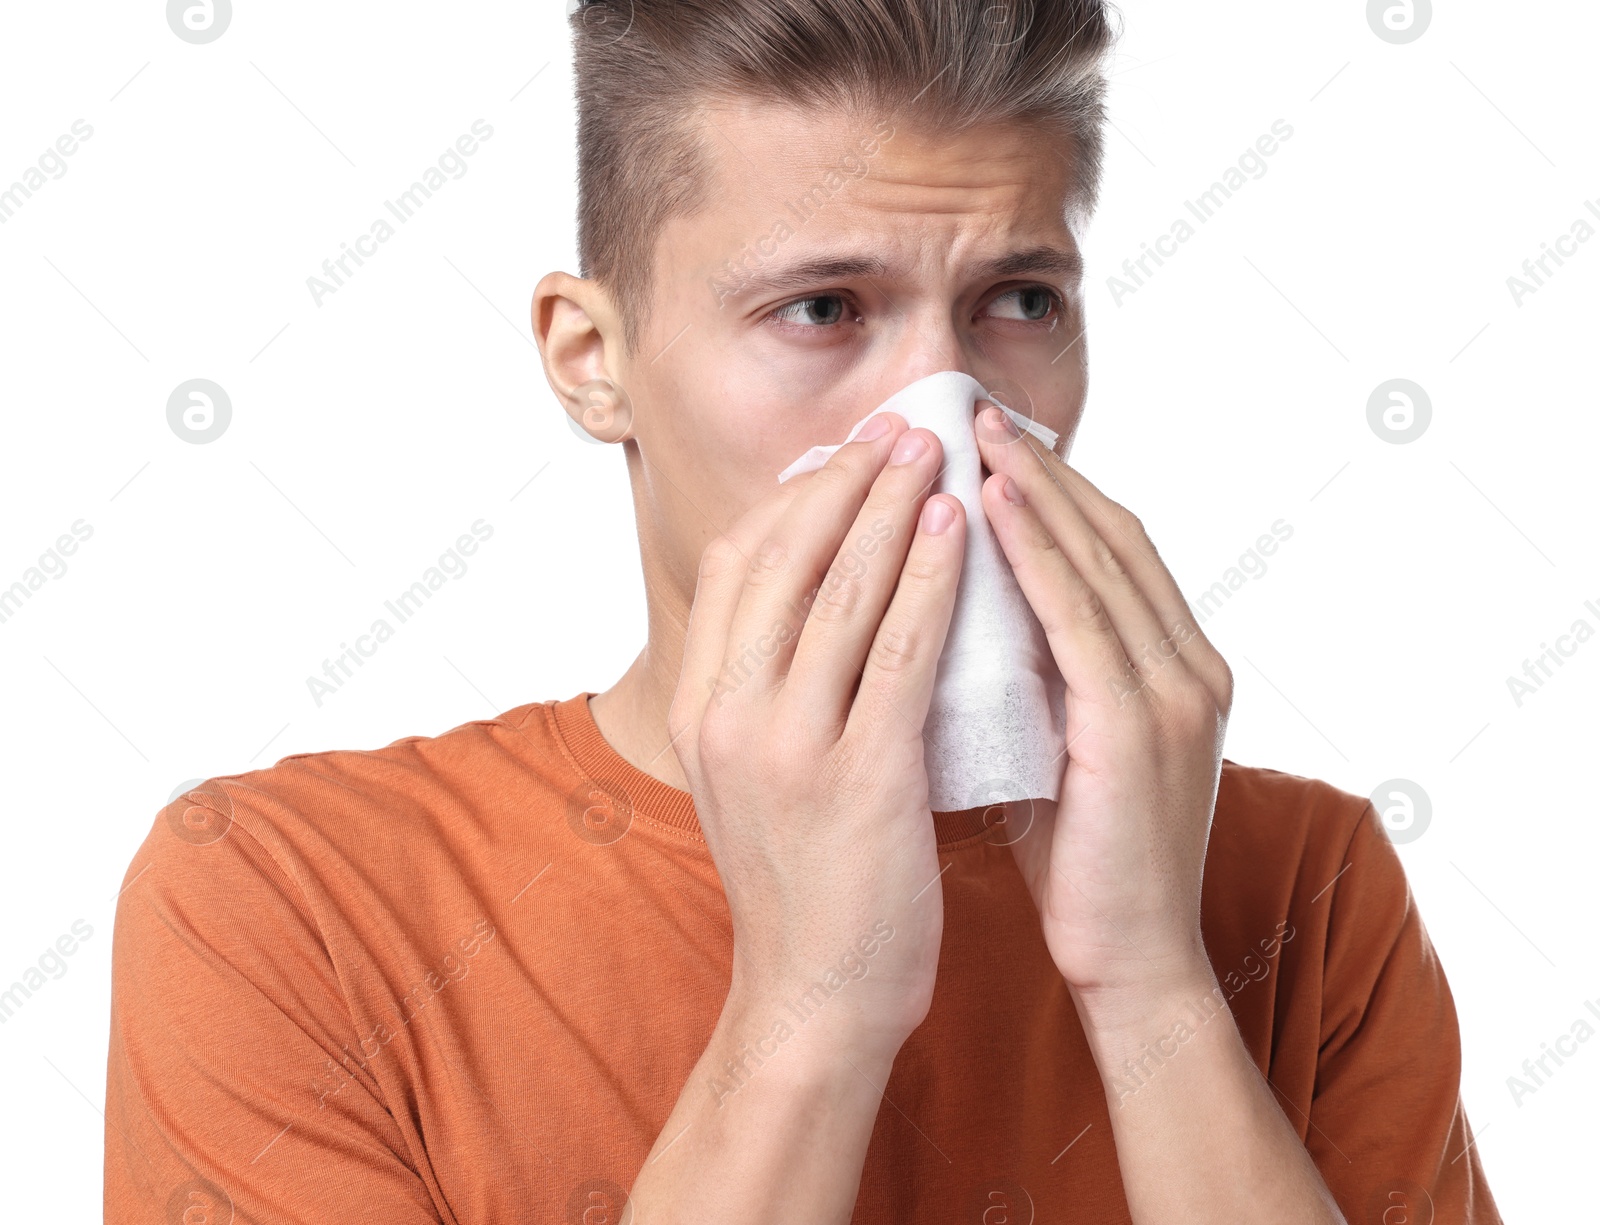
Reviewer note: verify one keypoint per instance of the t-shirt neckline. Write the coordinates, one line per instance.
(661, 802)
(643, 793)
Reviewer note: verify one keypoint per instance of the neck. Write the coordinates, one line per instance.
(632, 714)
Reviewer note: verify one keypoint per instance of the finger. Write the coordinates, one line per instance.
(1127, 607)
(1133, 544)
(1125, 535)
(898, 674)
(718, 586)
(848, 609)
(787, 569)
(1077, 623)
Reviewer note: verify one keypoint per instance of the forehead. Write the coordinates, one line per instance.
(831, 169)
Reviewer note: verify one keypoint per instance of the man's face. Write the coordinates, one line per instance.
(947, 253)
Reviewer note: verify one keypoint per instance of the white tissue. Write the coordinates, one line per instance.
(997, 724)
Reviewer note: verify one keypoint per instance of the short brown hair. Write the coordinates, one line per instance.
(643, 68)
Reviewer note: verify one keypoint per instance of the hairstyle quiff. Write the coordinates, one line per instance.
(643, 68)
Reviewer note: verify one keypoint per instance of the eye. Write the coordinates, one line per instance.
(1029, 304)
(820, 310)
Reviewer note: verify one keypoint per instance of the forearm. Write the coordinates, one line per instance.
(1200, 1137)
(780, 1135)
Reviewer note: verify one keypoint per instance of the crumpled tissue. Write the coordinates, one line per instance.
(996, 726)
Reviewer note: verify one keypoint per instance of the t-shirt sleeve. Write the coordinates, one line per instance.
(227, 1094)
(1388, 1129)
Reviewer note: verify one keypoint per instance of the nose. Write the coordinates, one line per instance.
(924, 347)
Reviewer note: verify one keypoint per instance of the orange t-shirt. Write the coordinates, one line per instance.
(464, 979)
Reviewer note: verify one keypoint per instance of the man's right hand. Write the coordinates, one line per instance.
(808, 669)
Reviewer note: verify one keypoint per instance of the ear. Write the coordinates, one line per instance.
(580, 344)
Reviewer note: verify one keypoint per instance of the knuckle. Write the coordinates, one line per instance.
(1225, 683)
(1090, 609)
(840, 473)
(920, 568)
(1190, 711)
(720, 739)
(895, 648)
(1126, 521)
(841, 594)
(1106, 558)
(769, 562)
(720, 557)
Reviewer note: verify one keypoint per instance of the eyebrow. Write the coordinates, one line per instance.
(1041, 261)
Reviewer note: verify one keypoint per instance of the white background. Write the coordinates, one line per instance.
(369, 432)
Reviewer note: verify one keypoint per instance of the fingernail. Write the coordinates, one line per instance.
(876, 428)
(998, 421)
(1008, 488)
(908, 448)
(936, 516)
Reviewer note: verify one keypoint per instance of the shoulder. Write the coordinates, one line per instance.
(1318, 859)
(1307, 854)
(1279, 834)
(324, 835)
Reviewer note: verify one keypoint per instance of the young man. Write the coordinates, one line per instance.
(697, 949)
